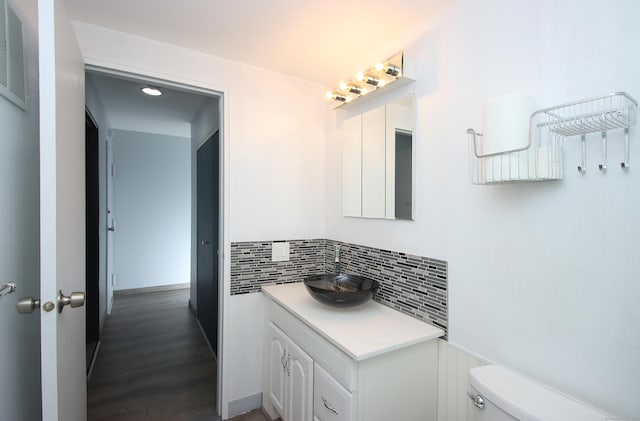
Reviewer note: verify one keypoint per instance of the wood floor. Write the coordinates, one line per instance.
(153, 363)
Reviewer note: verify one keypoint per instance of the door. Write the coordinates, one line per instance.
(277, 368)
(300, 388)
(62, 218)
(207, 239)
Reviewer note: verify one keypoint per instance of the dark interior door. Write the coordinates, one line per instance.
(92, 237)
(207, 229)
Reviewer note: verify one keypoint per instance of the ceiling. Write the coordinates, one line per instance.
(322, 41)
(129, 109)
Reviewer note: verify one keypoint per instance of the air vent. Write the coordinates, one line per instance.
(12, 71)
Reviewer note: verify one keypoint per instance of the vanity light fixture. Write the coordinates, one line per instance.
(391, 71)
(150, 90)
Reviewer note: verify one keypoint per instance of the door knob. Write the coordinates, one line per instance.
(204, 242)
(76, 299)
(112, 229)
(27, 304)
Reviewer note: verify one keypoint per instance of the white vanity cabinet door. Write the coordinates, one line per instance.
(300, 384)
(290, 377)
(277, 370)
(331, 401)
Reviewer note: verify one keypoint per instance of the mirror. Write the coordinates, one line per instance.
(377, 162)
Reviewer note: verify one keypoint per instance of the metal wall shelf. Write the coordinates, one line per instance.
(600, 114)
(541, 158)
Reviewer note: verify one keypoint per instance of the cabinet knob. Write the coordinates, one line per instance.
(329, 407)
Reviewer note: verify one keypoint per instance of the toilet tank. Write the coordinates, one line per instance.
(507, 396)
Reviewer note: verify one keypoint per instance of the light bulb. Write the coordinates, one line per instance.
(343, 86)
(151, 91)
(360, 77)
(379, 67)
(329, 95)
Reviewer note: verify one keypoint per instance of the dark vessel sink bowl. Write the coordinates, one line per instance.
(341, 290)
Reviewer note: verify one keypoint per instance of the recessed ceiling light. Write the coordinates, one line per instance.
(151, 91)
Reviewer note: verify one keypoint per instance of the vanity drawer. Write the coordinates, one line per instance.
(337, 363)
(331, 401)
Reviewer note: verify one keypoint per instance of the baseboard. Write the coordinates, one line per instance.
(213, 353)
(102, 320)
(267, 416)
(145, 290)
(93, 360)
(244, 405)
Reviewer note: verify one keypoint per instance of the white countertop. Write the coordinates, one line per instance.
(361, 332)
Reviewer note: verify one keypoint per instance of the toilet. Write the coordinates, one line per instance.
(499, 394)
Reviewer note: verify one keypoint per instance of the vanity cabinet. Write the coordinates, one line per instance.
(368, 363)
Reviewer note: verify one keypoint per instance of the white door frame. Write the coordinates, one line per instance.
(109, 223)
(224, 266)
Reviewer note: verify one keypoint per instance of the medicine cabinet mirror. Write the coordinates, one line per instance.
(377, 162)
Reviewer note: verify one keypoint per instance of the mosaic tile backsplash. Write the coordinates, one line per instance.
(251, 265)
(414, 285)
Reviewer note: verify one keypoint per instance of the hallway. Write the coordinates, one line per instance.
(153, 362)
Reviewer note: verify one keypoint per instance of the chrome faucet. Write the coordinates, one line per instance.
(337, 260)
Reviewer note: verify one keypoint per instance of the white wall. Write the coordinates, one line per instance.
(96, 108)
(542, 277)
(246, 314)
(275, 129)
(140, 121)
(152, 208)
(20, 241)
(206, 121)
(274, 160)
(453, 382)
(204, 124)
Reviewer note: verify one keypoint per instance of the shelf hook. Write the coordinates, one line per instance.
(582, 168)
(603, 165)
(625, 164)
